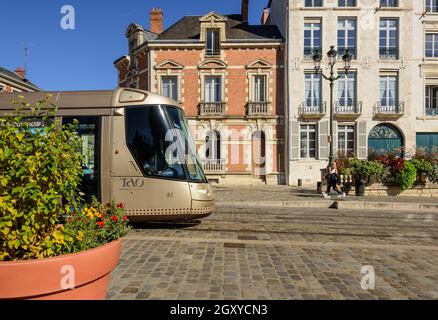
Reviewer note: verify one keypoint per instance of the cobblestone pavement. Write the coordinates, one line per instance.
(281, 253)
(288, 193)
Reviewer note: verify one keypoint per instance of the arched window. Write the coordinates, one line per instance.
(213, 145)
(385, 138)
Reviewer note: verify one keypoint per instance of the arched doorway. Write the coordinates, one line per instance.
(259, 154)
(385, 138)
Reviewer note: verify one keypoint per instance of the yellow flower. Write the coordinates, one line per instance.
(59, 238)
(80, 236)
(90, 214)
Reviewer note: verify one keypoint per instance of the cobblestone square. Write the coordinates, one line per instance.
(281, 253)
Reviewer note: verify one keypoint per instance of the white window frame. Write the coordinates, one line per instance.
(216, 91)
(309, 128)
(213, 146)
(387, 28)
(313, 3)
(388, 80)
(345, 28)
(431, 4)
(387, 3)
(257, 92)
(346, 129)
(213, 51)
(315, 82)
(163, 77)
(312, 26)
(345, 3)
(434, 44)
(343, 83)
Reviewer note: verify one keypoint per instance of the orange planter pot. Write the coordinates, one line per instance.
(53, 278)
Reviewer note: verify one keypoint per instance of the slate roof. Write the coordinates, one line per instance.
(188, 28)
(16, 78)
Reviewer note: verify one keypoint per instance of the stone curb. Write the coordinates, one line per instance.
(341, 205)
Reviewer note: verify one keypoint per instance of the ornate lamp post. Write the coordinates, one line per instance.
(331, 55)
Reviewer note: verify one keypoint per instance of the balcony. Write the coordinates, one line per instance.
(257, 109)
(388, 53)
(389, 110)
(310, 112)
(347, 110)
(214, 166)
(211, 109)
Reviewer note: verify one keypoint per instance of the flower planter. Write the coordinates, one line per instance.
(43, 279)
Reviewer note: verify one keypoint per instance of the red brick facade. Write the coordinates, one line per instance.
(246, 128)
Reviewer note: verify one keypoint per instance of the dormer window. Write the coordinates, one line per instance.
(213, 47)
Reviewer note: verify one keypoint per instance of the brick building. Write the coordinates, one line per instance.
(228, 76)
(15, 81)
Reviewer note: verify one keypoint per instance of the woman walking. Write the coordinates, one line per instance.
(333, 181)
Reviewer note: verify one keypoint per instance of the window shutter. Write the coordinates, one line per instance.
(362, 141)
(295, 140)
(323, 130)
(335, 138)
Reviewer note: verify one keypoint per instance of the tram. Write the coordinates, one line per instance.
(126, 137)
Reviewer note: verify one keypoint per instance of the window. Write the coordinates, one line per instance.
(389, 3)
(313, 3)
(259, 89)
(389, 93)
(313, 92)
(347, 36)
(169, 87)
(432, 45)
(347, 91)
(427, 142)
(431, 6)
(388, 39)
(431, 100)
(212, 90)
(347, 3)
(213, 146)
(346, 140)
(213, 42)
(308, 141)
(1, 88)
(312, 38)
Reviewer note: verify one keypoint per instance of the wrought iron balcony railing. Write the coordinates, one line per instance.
(309, 52)
(389, 108)
(212, 108)
(388, 53)
(213, 166)
(315, 109)
(431, 111)
(258, 108)
(348, 107)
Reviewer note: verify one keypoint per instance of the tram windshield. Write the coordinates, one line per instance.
(159, 138)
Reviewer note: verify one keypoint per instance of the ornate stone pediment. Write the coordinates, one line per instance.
(213, 64)
(213, 17)
(259, 64)
(169, 64)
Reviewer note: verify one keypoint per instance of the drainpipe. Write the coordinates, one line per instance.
(287, 97)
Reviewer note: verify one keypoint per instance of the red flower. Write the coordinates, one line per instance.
(114, 217)
(74, 213)
(108, 205)
(121, 206)
(100, 224)
(125, 218)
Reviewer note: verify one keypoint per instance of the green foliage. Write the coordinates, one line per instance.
(95, 225)
(422, 165)
(38, 168)
(433, 173)
(368, 170)
(406, 177)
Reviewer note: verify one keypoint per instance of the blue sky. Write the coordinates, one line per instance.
(83, 58)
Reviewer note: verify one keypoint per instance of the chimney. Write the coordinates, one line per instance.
(245, 11)
(265, 16)
(21, 72)
(156, 20)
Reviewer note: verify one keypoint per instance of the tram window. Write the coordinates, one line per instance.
(146, 129)
(88, 129)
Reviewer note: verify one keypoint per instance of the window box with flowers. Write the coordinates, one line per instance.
(52, 245)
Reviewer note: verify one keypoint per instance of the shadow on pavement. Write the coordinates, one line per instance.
(165, 225)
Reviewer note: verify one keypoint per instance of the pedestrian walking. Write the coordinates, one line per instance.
(333, 181)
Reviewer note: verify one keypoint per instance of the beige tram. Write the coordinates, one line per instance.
(127, 135)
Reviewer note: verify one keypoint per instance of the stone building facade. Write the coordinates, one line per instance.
(15, 81)
(228, 76)
(387, 101)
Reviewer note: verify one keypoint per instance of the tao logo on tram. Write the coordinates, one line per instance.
(132, 182)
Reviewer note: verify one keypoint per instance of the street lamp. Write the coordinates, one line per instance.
(331, 55)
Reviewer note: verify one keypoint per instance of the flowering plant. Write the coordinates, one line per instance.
(94, 225)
